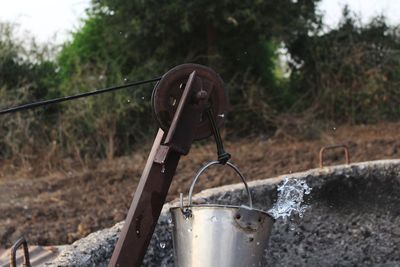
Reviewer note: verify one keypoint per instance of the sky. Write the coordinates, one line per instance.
(46, 20)
(366, 9)
(52, 20)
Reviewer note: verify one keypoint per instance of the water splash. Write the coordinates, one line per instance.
(163, 245)
(290, 199)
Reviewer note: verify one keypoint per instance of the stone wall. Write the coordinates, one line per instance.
(353, 219)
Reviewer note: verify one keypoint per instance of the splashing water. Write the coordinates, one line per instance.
(290, 199)
(162, 245)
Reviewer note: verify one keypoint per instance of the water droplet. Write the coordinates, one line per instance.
(221, 115)
(334, 128)
(137, 232)
(162, 245)
(307, 189)
(214, 219)
(129, 101)
(142, 97)
(163, 169)
(125, 79)
(190, 230)
(290, 199)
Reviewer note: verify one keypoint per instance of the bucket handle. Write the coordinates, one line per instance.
(236, 169)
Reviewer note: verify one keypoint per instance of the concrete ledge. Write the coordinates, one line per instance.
(353, 220)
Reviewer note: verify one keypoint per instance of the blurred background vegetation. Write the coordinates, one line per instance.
(285, 72)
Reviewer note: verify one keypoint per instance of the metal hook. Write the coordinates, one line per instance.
(321, 153)
(13, 254)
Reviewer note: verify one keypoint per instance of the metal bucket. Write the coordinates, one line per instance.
(220, 235)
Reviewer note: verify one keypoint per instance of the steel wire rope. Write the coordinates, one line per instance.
(72, 97)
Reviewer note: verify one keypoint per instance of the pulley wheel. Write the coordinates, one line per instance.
(168, 91)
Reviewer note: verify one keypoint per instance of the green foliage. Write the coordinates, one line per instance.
(143, 39)
(157, 35)
(25, 75)
(350, 73)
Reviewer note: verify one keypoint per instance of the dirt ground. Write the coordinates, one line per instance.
(65, 206)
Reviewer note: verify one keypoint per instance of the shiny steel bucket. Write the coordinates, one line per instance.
(220, 235)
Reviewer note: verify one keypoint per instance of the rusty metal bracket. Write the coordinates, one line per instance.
(13, 253)
(323, 149)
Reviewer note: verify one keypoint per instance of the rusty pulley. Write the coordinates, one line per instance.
(168, 92)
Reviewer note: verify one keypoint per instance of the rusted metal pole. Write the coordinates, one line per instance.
(145, 208)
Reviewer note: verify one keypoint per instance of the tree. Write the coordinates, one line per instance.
(350, 74)
(142, 39)
(26, 74)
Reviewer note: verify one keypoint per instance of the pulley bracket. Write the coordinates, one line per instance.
(189, 103)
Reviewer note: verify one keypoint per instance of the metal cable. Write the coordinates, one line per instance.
(67, 98)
